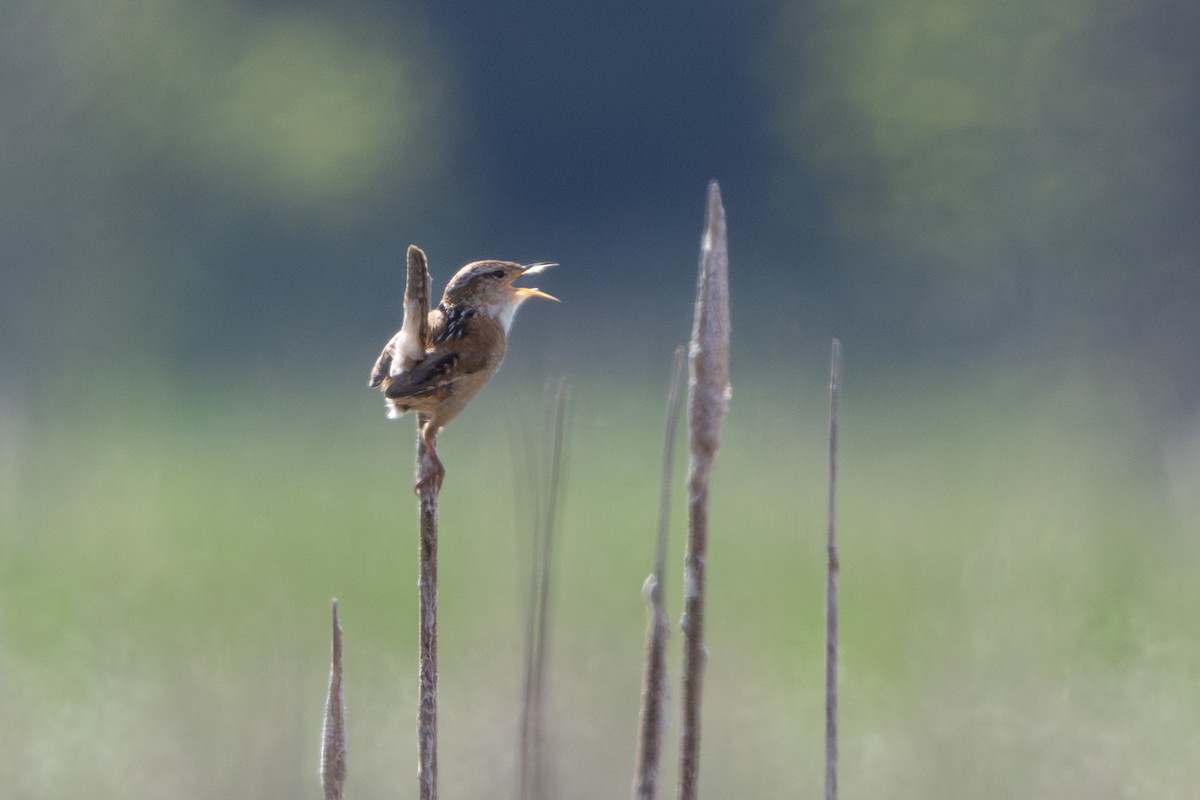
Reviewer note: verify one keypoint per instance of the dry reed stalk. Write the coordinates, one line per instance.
(333, 738)
(831, 587)
(651, 719)
(427, 675)
(708, 400)
(416, 315)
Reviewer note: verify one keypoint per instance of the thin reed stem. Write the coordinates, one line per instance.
(831, 584)
(427, 674)
(651, 720)
(533, 778)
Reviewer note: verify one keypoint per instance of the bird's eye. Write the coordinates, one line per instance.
(499, 273)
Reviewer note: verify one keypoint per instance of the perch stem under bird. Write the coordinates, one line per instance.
(441, 358)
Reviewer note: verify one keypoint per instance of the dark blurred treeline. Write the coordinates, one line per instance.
(930, 180)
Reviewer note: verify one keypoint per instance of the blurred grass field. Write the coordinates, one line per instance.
(1019, 604)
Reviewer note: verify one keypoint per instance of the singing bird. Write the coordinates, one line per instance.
(441, 358)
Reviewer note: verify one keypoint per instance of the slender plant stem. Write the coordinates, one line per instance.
(533, 779)
(333, 739)
(654, 679)
(674, 403)
(427, 674)
(831, 584)
(533, 493)
(708, 400)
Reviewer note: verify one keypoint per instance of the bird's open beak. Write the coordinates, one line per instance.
(533, 269)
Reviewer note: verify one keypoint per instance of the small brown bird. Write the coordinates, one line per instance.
(440, 359)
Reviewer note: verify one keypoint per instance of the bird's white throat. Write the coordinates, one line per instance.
(505, 311)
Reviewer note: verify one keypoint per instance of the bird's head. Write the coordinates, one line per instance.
(488, 286)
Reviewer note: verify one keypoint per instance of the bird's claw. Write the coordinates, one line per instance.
(435, 476)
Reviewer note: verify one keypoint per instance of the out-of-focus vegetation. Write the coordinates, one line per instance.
(1018, 595)
(172, 169)
(940, 176)
(203, 214)
(999, 167)
(283, 105)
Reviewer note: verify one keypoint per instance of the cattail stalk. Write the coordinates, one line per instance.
(708, 400)
(333, 738)
(427, 674)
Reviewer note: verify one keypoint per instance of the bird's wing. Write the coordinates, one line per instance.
(434, 373)
(440, 370)
(383, 364)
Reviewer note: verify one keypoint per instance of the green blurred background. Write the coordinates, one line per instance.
(203, 214)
